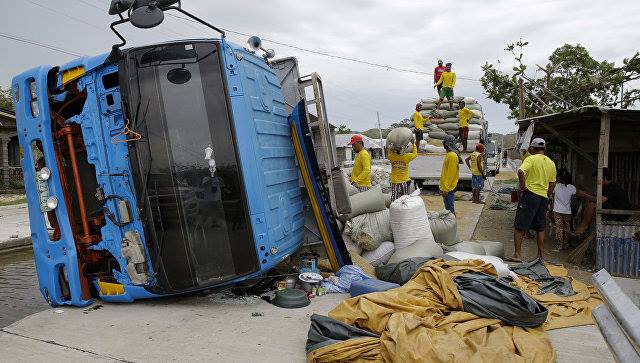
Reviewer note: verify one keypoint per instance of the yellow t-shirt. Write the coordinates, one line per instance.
(473, 160)
(449, 176)
(400, 165)
(447, 80)
(538, 171)
(418, 120)
(464, 116)
(361, 174)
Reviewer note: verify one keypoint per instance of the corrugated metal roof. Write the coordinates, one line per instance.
(7, 118)
(342, 140)
(582, 115)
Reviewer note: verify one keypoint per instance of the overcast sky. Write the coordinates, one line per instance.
(399, 33)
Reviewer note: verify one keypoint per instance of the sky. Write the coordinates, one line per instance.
(400, 33)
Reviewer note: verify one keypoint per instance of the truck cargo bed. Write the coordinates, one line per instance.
(426, 169)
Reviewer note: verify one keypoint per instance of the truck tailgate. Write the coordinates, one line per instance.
(428, 167)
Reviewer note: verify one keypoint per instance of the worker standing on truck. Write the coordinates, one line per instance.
(450, 173)
(400, 180)
(437, 72)
(448, 81)
(418, 123)
(475, 164)
(537, 176)
(361, 173)
(464, 115)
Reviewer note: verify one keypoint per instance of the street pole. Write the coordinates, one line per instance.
(521, 99)
(380, 130)
(622, 95)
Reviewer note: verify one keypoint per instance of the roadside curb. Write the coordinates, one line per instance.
(15, 244)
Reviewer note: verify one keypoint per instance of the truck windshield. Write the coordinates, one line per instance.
(491, 148)
(187, 173)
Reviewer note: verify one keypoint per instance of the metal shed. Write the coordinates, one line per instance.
(586, 140)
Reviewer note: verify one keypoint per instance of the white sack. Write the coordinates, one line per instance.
(371, 229)
(409, 221)
(420, 248)
(380, 255)
(501, 268)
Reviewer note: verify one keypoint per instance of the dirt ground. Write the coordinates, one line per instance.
(497, 225)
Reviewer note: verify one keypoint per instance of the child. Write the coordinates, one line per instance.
(563, 192)
(400, 181)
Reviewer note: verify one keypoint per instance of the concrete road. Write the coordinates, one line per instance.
(14, 223)
(194, 328)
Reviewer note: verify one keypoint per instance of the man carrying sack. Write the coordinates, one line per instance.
(450, 173)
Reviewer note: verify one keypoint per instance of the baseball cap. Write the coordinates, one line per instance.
(480, 147)
(355, 138)
(538, 143)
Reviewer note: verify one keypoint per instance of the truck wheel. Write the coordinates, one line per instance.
(418, 183)
(496, 172)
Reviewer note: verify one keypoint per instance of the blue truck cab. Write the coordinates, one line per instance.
(166, 170)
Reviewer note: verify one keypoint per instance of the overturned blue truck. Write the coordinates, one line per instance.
(164, 169)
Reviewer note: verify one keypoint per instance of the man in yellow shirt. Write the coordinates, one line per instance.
(537, 176)
(361, 174)
(450, 173)
(400, 181)
(464, 115)
(474, 162)
(448, 81)
(418, 123)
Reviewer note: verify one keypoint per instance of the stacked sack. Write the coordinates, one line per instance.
(368, 230)
(445, 121)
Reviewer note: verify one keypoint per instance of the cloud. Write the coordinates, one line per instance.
(407, 34)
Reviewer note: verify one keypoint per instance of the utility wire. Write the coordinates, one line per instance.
(325, 54)
(33, 42)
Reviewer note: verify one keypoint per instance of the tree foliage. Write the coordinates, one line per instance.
(571, 78)
(343, 129)
(6, 101)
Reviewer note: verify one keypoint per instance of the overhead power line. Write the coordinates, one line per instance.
(325, 54)
(33, 42)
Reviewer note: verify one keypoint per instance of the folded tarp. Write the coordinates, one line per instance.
(401, 272)
(537, 271)
(488, 297)
(326, 331)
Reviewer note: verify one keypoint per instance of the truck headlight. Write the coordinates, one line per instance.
(52, 202)
(44, 173)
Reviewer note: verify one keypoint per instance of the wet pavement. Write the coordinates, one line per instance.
(19, 294)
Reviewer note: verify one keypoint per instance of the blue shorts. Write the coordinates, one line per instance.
(448, 201)
(477, 182)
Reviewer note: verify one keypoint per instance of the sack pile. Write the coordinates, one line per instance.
(445, 121)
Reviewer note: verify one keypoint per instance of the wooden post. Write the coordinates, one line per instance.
(521, 98)
(603, 162)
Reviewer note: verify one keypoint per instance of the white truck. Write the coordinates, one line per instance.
(493, 153)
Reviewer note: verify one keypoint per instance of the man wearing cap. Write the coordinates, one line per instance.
(450, 173)
(448, 81)
(475, 164)
(361, 174)
(537, 177)
(418, 124)
(464, 115)
(437, 72)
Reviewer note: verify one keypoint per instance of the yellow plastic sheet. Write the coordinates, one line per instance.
(423, 321)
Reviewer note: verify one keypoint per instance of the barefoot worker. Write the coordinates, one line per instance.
(450, 173)
(475, 164)
(537, 176)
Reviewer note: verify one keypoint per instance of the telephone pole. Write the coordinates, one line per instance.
(521, 98)
(380, 130)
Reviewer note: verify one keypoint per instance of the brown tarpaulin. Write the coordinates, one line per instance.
(423, 321)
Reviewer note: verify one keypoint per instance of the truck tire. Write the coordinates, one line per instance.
(418, 183)
(496, 172)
